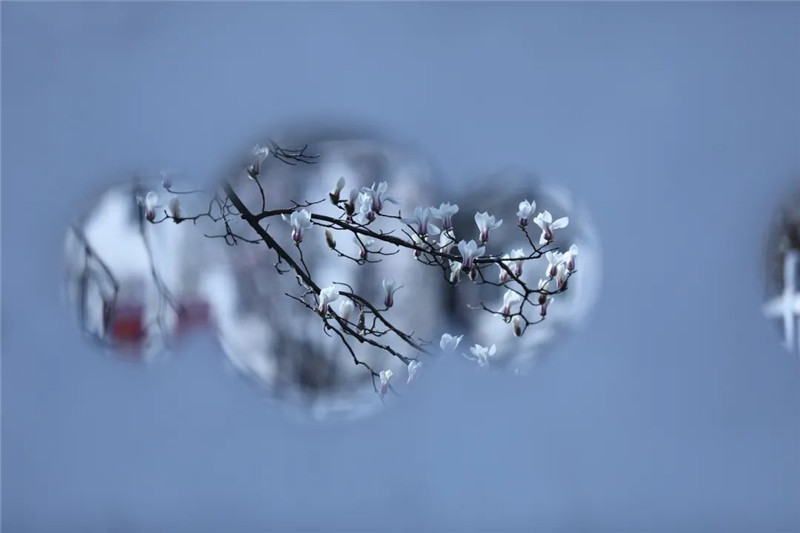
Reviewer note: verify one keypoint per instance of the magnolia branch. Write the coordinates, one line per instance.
(429, 234)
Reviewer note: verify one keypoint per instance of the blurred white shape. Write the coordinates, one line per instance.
(127, 278)
(786, 306)
(286, 350)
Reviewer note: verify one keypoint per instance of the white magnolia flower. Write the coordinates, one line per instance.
(449, 342)
(150, 202)
(513, 262)
(517, 255)
(389, 289)
(378, 196)
(300, 221)
(569, 257)
(337, 191)
(421, 222)
(510, 299)
(486, 223)
(469, 252)
(504, 276)
(525, 208)
(546, 222)
(413, 368)
(561, 276)
(445, 213)
(258, 155)
(385, 377)
(553, 260)
(483, 354)
(346, 309)
(447, 239)
(326, 296)
(455, 271)
(366, 213)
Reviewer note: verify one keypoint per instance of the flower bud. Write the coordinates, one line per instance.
(329, 239)
(346, 309)
(335, 193)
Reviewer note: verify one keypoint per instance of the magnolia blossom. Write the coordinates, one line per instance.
(546, 222)
(469, 252)
(504, 276)
(569, 258)
(482, 354)
(562, 275)
(413, 368)
(337, 191)
(385, 377)
(486, 223)
(525, 208)
(389, 289)
(378, 196)
(421, 223)
(449, 342)
(326, 296)
(150, 201)
(175, 209)
(300, 221)
(366, 212)
(553, 260)
(510, 299)
(517, 255)
(259, 154)
(346, 309)
(445, 213)
(455, 271)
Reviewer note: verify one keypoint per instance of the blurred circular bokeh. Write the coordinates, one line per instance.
(129, 282)
(500, 195)
(278, 342)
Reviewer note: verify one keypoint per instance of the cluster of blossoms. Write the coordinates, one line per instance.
(432, 238)
(150, 202)
(430, 234)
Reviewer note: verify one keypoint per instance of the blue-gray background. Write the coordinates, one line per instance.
(674, 409)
